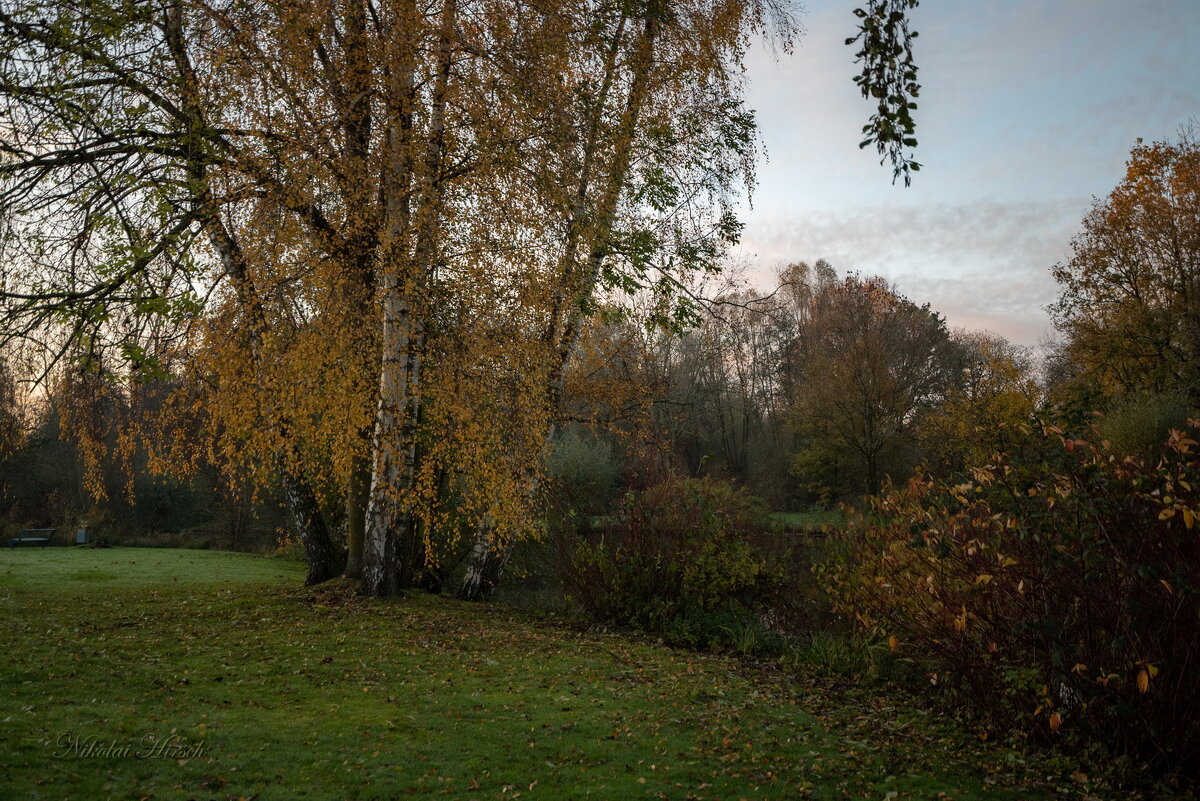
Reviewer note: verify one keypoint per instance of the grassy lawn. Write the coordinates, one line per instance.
(814, 519)
(159, 674)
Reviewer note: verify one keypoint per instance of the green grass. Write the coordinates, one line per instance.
(813, 519)
(292, 693)
(82, 570)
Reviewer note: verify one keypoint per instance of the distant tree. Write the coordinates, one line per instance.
(800, 284)
(721, 387)
(991, 393)
(728, 382)
(871, 362)
(12, 432)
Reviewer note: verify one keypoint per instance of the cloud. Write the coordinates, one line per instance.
(1010, 305)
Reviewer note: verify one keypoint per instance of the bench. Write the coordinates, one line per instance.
(33, 536)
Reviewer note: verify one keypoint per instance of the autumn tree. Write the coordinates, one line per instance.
(108, 192)
(989, 399)
(296, 194)
(873, 360)
(1129, 308)
(640, 177)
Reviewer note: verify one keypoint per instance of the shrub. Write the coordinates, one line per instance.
(582, 474)
(1137, 425)
(678, 559)
(824, 473)
(1056, 590)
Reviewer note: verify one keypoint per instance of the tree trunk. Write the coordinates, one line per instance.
(356, 514)
(390, 546)
(324, 562)
(358, 287)
(394, 553)
(487, 562)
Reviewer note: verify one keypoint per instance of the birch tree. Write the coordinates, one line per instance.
(653, 149)
(311, 197)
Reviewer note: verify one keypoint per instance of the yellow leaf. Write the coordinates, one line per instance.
(960, 622)
(893, 643)
(1189, 519)
(1166, 514)
(1143, 681)
(1055, 721)
(983, 579)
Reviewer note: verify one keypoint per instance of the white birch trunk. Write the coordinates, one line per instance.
(393, 553)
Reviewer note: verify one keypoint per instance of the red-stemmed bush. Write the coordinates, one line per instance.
(1055, 590)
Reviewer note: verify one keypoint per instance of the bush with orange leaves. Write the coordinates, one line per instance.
(1055, 590)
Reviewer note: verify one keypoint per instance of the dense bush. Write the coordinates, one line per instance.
(582, 473)
(1056, 589)
(688, 559)
(1136, 425)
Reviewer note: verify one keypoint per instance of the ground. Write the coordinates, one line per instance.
(168, 674)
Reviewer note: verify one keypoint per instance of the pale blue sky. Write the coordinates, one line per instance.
(1028, 109)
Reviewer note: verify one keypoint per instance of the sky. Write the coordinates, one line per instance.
(1028, 110)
